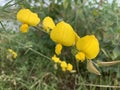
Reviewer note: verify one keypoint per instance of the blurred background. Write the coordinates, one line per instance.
(31, 71)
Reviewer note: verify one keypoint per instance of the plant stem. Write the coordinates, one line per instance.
(39, 53)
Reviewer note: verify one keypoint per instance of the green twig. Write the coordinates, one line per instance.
(40, 53)
(101, 86)
(9, 5)
(77, 66)
(40, 29)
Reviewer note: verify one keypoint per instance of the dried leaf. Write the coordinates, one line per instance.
(91, 68)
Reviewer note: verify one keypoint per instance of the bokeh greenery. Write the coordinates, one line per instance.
(32, 69)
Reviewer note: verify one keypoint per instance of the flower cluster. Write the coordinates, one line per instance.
(65, 66)
(14, 54)
(62, 34)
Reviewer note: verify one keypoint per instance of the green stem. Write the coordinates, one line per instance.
(77, 66)
(40, 29)
(39, 53)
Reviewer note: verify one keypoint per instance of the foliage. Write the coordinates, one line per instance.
(32, 69)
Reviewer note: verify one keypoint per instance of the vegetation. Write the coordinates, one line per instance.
(33, 69)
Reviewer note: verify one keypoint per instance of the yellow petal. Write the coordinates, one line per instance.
(33, 19)
(58, 49)
(80, 56)
(48, 23)
(56, 59)
(24, 28)
(63, 64)
(63, 69)
(14, 54)
(23, 15)
(69, 67)
(63, 33)
(28, 17)
(10, 50)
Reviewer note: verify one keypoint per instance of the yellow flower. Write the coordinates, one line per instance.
(64, 69)
(56, 59)
(48, 23)
(89, 45)
(63, 33)
(10, 50)
(13, 53)
(24, 28)
(58, 49)
(69, 67)
(80, 56)
(28, 17)
(76, 37)
(23, 15)
(63, 65)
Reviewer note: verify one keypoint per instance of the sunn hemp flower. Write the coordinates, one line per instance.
(27, 18)
(88, 46)
(62, 34)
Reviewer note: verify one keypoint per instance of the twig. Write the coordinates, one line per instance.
(101, 86)
(39, 53)
(2, 25)
(40, 29)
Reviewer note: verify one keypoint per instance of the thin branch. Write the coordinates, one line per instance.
(2, 25)
(39, 53)
(40, 29)
(101, 86)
